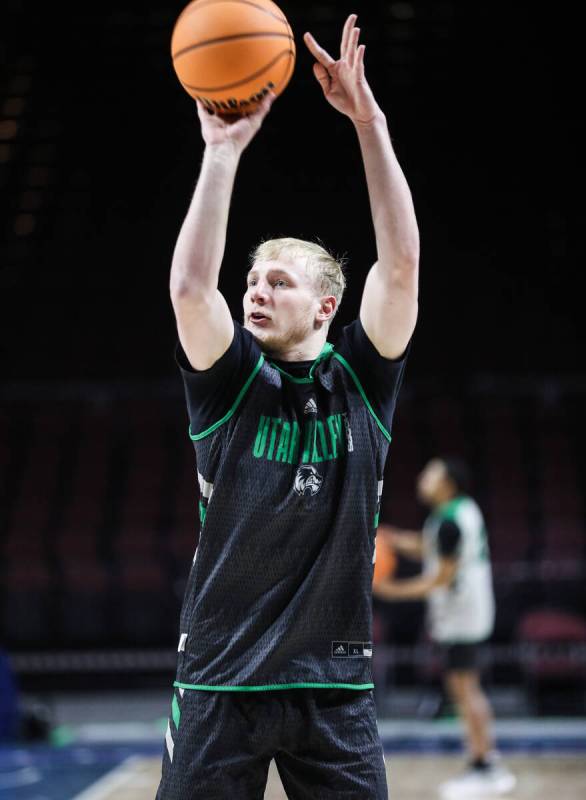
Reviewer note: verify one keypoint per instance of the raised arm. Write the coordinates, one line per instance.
(204, 322)
(389, 303)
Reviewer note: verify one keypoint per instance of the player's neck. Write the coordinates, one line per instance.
(307, 350)
(443, 498)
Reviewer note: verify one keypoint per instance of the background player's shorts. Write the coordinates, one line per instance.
(325, 743)
(461, 656)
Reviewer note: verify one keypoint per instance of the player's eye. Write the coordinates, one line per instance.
(280, 282)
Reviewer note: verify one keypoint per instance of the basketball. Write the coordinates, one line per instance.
(230, 54)
(386, 560)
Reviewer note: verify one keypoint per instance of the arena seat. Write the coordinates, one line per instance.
(27, 607)
(85, 608)
(552, 652)
(143, 598)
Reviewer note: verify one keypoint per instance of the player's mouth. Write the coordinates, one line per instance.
(257, 318)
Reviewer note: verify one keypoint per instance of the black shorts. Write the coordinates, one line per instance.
(325, 744)
(463, 656)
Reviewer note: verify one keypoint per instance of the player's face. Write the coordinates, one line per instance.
(431, 481)
(280, 304)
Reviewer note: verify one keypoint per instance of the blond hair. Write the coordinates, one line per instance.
(325, 270)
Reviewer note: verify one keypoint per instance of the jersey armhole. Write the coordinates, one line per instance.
(367, 403)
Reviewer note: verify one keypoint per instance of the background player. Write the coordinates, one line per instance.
(291, 436)
(457, 584)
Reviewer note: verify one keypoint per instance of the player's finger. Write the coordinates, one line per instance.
(318, 52)
(323, 77)
(203, 111)
(351, 54)
(265, 105)
(256, 117)
(346, 34)
(359, 63)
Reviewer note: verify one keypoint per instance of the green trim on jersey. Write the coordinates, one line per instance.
(327, 350)
(354, 377)
(270, 687)
(196, 437)
(290, 377)
(449, 509)
(176, 711)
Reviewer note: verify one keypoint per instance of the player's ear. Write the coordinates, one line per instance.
(328, 306)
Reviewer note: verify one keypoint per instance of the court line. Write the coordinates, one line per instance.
(115, 779)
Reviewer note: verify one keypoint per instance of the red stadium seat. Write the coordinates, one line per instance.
(552, 645)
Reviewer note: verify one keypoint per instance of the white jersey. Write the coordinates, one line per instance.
(464, 610)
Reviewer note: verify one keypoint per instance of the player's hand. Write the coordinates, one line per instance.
(343, 82)
(390, 535)
(388, 532)
(385, 589)
(234, 130)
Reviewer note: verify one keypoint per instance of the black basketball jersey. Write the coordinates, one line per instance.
(280, 590)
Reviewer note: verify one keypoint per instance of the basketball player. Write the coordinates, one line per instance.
(457, 583)
(291, 434)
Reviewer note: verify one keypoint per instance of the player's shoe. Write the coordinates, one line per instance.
(493, 781)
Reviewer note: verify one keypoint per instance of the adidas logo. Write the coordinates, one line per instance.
(310, 407)
(340, 650)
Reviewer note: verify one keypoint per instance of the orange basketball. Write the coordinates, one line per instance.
(386, 560)
(231, 53)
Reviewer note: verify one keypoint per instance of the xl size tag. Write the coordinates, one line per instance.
(351, 649)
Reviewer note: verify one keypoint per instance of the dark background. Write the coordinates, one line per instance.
(484, 107)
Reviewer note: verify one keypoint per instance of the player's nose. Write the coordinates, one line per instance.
(259, 292)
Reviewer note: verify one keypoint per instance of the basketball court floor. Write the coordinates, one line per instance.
(116, 755)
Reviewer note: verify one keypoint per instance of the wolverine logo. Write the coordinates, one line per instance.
(307, 480)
